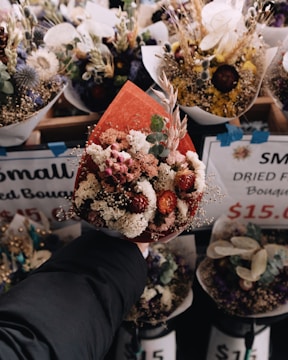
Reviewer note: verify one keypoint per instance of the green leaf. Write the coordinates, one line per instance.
(254, 231)
(7, 88)
(5, 75)
(157, 123)
(156, 150)
(164, 153)
(156, 138)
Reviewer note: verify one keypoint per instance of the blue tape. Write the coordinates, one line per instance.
(3, 151)
(259, 137)
(233, 133)
(57, 147)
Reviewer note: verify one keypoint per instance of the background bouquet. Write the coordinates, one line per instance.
(217, 63)
(24, 246)
(29, 80)
(168, 290)
(272, 20)
(276, 79)
(245, 270)
(139, 174)
(101, 52)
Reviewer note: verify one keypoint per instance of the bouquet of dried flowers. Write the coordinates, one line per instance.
(99, 58)
(245, 269)
(29, 80)
(24, 246)
(139, 174)
(169, 284)
(271, 17)
(276, 78)
(217, 63)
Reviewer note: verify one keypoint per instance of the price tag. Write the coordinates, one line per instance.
(252, 177)
(225, 347)
(160, 348)
(33, 180)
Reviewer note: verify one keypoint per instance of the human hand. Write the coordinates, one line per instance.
(143, 247)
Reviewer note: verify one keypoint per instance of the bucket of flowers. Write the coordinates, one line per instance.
(217, 62)
(29, 80)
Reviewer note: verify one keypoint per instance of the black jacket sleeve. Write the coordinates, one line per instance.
(72, 305)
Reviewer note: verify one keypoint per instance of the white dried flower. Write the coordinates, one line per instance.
(87, 189)
(44, 62)
(166, 176)
(137, 141)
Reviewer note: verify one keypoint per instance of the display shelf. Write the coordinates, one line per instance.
(266, 111)
(67, 128)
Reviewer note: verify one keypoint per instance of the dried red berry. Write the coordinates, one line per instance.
(225, 78)
(166, 202)
(138, 204)
(184, 180)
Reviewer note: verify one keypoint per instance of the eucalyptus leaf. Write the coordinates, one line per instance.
(156, 150)
(157, 123)
(156, 137)
(164, 153)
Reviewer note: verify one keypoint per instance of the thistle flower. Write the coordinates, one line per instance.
(26, 77)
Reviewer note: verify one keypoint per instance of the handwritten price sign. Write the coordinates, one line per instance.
(37, 180)
(253, 179)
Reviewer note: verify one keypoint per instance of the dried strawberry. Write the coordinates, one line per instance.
(138, 204)
(184, 180)
(166, 202)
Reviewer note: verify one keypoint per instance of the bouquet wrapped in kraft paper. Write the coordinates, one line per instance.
(139, 176)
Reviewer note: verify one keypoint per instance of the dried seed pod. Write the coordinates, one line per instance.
(259, 263)
(246, 274)
(229, 251)
(211, 253)
(245, 242)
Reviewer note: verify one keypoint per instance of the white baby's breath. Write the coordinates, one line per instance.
(87, 189)
(199, 168)
(166, 177)
(130, 225)
(108, 213)
(137, 140)
(183, 208)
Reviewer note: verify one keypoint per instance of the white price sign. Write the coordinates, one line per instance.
(252, 177)
(158, 348)
(162, 348)
(33, 180)
(225, 347)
